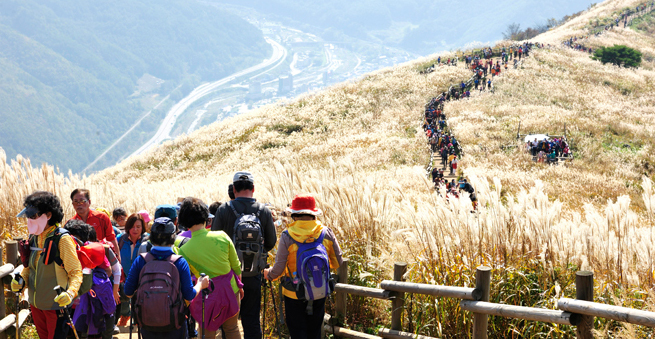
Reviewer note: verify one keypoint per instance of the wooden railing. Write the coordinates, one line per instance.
(579, 312)
(8, 322)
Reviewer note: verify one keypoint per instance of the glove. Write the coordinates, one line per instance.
(16, 286)
(64, 299)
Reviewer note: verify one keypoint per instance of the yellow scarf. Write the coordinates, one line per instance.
(302, 230)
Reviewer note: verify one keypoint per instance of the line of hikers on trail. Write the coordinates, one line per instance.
(188, 268)
(447, 146)
(440, 138)
(624, 18)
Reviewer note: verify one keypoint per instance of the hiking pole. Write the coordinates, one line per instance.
(203, 295)
(264, 283)
(21, 281)
(59, 291)
(277, 319)
(131, 320)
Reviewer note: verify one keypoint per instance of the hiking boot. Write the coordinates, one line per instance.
(124, 320)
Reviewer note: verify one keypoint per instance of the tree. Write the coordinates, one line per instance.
(619, 55)
(512, 30)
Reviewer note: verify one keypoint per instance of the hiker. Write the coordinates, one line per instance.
(128, 246)
(81, 199)
(244, 206)
(212, 212)
(212, 253)
(147, 218)
(165, 210)
(305, 237)
(466, 187)
(94, 312)
(45, 269)
(161, 315)
(119, 214)
(435, 173)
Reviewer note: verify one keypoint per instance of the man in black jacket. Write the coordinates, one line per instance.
(244, 188)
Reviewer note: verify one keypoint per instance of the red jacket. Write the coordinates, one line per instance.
(101, 224)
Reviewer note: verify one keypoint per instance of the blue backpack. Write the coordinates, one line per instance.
(312, 278)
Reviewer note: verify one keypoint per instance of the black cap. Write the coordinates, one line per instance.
(163, 225)
(28, 212)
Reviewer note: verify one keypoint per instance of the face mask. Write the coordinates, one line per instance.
(36, 226)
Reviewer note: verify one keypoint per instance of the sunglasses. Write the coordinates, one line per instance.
(79, 202)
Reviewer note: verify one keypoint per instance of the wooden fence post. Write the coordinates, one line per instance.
(3, 306)
(12, 252)
(398, 302)
(341, 297)
(584, 290)
(482, 283)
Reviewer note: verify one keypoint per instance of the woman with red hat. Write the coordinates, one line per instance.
(305, 306)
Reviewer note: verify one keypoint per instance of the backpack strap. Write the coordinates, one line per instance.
(319, 239)
(260, 208)
(237, 214)
(51, 247)
(121, 242)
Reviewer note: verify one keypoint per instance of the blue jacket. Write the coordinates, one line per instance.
(161, 253)
(126, 258)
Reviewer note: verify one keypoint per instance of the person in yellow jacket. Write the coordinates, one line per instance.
(303, 322)
(51, 263)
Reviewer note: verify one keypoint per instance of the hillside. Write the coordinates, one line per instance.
(360, 148)
(419, 26)
(79, 74)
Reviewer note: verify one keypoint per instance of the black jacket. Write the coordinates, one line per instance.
(224, 220)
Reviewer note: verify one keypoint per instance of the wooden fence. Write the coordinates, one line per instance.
(8, 322)
(579, 312)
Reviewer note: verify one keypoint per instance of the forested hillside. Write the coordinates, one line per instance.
(419, 26)
(69, 69)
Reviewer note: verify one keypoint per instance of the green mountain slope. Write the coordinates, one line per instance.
(69, 69)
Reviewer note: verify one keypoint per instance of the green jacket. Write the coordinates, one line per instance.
(212, 253)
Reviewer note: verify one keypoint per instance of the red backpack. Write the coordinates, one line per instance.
(158, 302)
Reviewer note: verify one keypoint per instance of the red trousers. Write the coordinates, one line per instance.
(50, 324)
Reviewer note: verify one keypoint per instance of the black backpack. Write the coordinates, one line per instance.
(248, 238)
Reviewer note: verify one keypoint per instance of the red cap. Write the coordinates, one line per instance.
(91, 255)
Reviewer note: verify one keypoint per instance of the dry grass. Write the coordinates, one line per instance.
(360, 149)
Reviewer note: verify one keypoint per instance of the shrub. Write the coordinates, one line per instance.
(619, 55)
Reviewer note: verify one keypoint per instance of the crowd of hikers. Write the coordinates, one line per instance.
(548, 150)
(188, 268)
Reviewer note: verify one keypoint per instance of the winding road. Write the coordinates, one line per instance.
(163, 133)
(164, 130)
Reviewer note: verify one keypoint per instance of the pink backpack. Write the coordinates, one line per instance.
(159, 305)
